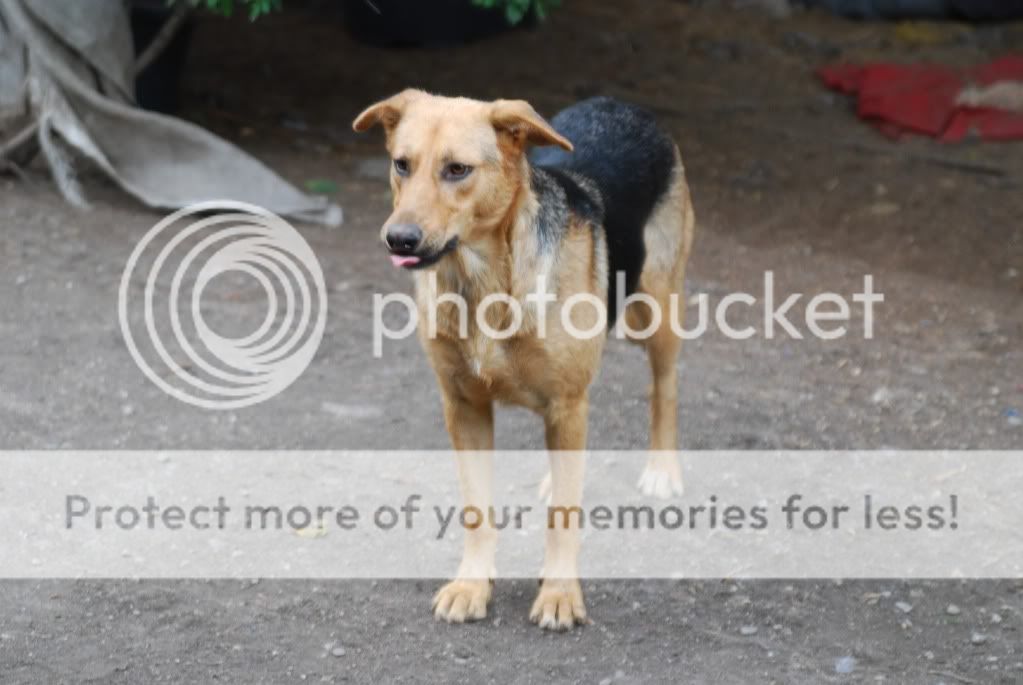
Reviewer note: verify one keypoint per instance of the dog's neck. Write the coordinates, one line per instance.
(507, 262)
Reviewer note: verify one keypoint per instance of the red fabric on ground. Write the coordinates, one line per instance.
(901, 99)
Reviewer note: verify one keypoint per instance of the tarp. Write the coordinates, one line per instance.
(935, 100)
(68, 66)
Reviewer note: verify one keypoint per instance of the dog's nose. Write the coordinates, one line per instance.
(404, 238)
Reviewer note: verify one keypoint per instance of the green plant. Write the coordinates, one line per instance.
(256, 8)
(516, 10)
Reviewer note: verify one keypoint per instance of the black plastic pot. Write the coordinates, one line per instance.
(422, 23)
(934, 9)
(156, 88)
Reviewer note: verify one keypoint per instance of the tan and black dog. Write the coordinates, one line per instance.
(474, 216)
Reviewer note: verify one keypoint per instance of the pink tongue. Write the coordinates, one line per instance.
(404, 260)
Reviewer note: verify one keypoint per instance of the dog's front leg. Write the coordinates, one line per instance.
(560, 602)
(471, 427)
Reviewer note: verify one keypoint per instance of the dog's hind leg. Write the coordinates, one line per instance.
(662, 476)
(471, 427)
(668, 238)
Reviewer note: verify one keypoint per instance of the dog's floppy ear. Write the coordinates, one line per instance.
(518, 119)
(386, 112)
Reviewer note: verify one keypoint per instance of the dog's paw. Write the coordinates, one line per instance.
(462, 600)
(662, 477)
(559, 606)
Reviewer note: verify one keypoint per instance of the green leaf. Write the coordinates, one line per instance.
(515, 10)
(321, 186)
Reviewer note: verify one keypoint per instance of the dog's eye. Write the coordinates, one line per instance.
(401, 166)
(455, 171)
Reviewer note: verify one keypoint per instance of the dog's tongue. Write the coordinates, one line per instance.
(404, 260)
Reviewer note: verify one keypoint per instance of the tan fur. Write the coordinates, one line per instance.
(491, 213)
(668, 244)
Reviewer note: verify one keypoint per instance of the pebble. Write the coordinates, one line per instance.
(338, 651)
(953, 610)
(462, 653)
(904, 607)
(884, 208)
(845, 664)
(996, 618)
(978, 639)
(882, 396)
(748, 630)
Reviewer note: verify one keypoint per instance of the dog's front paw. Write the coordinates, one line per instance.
(662, 476)
(559, 606)
(462, 600)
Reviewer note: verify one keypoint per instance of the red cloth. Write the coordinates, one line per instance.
(921, 98)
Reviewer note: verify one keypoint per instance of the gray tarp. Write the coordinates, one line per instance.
(68, 65)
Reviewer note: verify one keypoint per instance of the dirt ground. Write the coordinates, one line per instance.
(784, 179)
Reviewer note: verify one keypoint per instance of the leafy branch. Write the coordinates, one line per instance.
(516, 10)
(225, 8)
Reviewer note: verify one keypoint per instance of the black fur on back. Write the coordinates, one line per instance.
(620, 148)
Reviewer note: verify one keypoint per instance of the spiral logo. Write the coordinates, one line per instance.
(237, 245)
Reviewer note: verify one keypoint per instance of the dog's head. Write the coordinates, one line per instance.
(457, 165)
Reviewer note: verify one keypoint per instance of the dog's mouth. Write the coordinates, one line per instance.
(421, 260)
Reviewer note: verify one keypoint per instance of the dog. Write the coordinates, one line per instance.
(599, 205)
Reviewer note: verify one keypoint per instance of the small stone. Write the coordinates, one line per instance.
(748, 630)
(845, 665)
(882, 397)
(978, 639)
(904, 607)
(462, 653)
(953, 610)
(338, 651)
(884, 208)
(996, 618)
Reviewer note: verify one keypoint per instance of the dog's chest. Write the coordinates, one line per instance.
(505, 369)
(498, 370)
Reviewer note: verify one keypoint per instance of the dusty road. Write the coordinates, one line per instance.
(784, 179)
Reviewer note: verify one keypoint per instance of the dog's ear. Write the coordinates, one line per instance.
(518, 119)
(386, 112)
